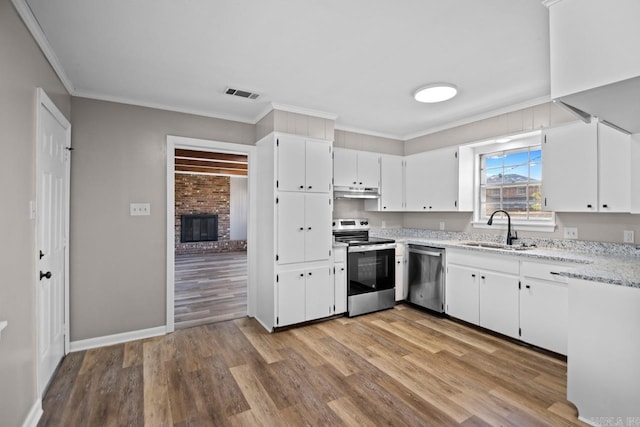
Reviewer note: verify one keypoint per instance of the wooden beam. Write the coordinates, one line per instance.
(211, 164)
(219, 171)
(193, 154)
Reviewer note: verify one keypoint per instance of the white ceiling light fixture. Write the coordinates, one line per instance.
(436, 92)
(502, 140)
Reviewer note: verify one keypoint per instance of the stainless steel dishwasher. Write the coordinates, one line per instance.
(426, 277)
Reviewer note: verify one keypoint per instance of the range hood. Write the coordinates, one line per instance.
(616, 103)
(355, 193)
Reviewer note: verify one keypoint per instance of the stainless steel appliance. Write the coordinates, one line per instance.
(371, 267)
(426, 277)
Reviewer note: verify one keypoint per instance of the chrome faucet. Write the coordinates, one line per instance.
(510, 238)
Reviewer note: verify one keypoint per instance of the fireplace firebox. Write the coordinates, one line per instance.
(199, 228)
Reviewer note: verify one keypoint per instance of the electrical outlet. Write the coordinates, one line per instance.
(384, 224)
(140, 209)
(442, 225)
(629, 236)
(571, 232)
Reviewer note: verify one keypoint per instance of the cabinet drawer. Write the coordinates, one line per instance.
(545, 271)
(339, 254)
(499, 263)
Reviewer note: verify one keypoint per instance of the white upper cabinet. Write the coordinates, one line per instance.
(592, 43)
(303, 228)
(352, 168)
(391, 185)
(431, 180)
(635, 173)
(586, 169)
(594, 62)
(569, 161)
(614, 172)
(303, 164)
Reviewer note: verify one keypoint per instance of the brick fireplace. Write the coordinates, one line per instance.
(201, 196)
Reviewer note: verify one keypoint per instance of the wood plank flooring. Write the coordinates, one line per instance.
(210, 288)
(399, 367)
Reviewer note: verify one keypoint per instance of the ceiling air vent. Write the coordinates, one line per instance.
(242, 93)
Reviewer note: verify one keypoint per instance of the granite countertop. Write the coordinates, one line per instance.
(601, 262)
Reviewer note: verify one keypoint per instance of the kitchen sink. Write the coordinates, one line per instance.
(490, 245)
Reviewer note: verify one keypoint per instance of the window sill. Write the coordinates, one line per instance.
(546, 227)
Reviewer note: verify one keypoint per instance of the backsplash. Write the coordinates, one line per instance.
(594, 248)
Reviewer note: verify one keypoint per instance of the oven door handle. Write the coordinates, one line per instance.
(429, 253)
(368, 248)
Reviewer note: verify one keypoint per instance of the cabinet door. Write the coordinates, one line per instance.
(400, 294)
(441, 179)
(462, 294)
(317, 243)
(499, 303)
(291, 227)
(345, 168)
(340, 288)
(635, 173)
(368, 169)
(569, 163)
(591, 44)
(415, 182)
(291, 163)
(319, 293)
(544, 314)
(391, 189)
(291, 297)
(614, 172)
(318, 167)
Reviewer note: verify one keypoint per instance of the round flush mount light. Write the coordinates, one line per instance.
(436, 92)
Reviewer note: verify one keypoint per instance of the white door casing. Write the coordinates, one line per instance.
(53, 142)
(174, 142)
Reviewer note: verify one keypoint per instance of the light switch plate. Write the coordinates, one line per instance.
(571, 232)
(442, 225)
(629, 236)
(140, 209)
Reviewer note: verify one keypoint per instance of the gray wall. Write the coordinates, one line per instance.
(23, 68)
(117, 278)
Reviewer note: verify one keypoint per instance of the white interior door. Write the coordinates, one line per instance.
(52, 154)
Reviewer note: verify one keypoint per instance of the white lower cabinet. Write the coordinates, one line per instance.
(521, 299)
(499, 303)
(463, 294)
(543, 314)
(544, 303)
(401, 291)
(340, 280)
(305, 294)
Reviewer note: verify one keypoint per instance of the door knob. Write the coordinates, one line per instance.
(47, 275)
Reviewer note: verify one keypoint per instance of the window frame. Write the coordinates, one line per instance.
(520, 141)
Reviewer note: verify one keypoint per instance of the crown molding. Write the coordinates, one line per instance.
(368, 132)
(34, 28)
(549, 3)
(302, 110)
(482, 116)
(159, 106)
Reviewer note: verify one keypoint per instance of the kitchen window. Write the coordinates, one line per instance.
(510, 178)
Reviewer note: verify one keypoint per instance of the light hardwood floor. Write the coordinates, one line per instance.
(210, 288)
(397, 367)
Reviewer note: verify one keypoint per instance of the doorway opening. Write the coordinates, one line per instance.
(208, 232)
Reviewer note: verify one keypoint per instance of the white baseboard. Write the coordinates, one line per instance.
(116, 338)
(34, 414)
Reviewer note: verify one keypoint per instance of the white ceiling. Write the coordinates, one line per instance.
(358, 59)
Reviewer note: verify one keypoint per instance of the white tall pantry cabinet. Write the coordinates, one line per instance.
(295, 272)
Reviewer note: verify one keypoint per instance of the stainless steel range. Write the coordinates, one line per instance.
(371, 268)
